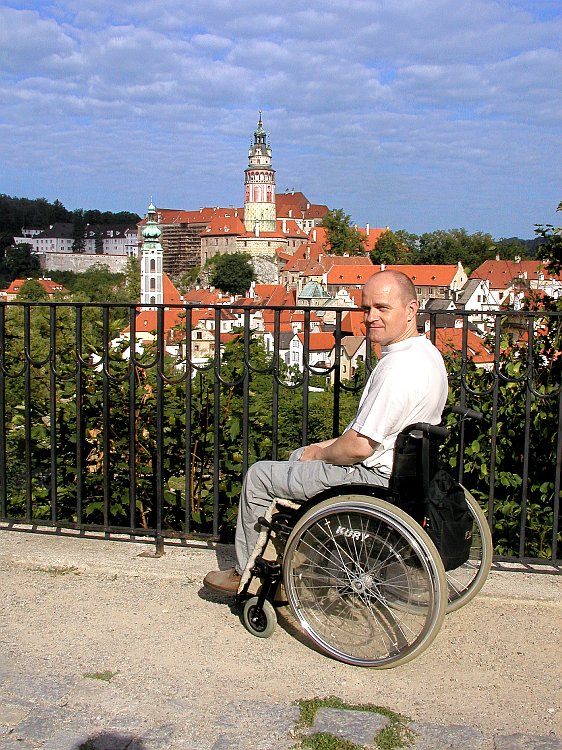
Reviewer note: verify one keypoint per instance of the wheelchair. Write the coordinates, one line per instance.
(362, 577)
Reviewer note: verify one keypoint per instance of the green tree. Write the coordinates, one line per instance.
(99, 284)
(32, 291)
(187, 279)
(18, 262)
(551, 247)
(133, 279)
(232, 273)
(78, 231)
(343, 238)
(509, 249)
(449, 247)
(394, 247)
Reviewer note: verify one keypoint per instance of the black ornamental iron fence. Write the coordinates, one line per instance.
(153, 438)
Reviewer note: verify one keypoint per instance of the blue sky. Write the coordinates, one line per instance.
(413, 114)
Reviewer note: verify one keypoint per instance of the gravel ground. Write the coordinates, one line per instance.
(76, 606)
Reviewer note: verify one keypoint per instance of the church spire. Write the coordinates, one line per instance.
(151, 261)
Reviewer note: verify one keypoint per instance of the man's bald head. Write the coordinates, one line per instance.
(404, 284)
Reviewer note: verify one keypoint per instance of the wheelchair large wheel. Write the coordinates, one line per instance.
(466, 581)
(365, 581)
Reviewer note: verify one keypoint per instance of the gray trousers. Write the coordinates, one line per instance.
(293, 480)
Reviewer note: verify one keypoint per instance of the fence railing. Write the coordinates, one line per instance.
(154, 439)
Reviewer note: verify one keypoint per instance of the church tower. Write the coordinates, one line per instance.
(259, 198)
(152, 257)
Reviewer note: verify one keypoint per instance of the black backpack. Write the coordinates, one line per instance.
(448, 520)
(444, 513)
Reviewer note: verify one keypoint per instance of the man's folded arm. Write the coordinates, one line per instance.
(350, 448)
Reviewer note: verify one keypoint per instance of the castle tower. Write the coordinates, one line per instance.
(259, 197)
(152, 257)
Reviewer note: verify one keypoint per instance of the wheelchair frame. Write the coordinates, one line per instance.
(360, 574)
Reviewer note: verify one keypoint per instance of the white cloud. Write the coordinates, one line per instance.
(28, 41)
(394, 104)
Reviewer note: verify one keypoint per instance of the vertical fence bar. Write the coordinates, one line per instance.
(464, 350)
(337, 376)
(305, 376)
(160, 369)
(80, 421)
(557, 473)
(27, 410)
(53, 409)
(216, 424)
(246, 393)
(132, 418)
(3, 467)
(106, 437)
(526, 443)
(189, 448)
(275, 386)
(494, 425)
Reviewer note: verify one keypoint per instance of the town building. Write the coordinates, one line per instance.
(52, 289)
(59, 249)
(509, 280)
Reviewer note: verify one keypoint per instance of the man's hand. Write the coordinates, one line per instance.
(312, 452)
(350, 448)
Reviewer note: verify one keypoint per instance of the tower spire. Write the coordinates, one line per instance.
(151, 261)
(259, 197)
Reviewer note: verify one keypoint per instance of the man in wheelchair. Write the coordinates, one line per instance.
(408, 385)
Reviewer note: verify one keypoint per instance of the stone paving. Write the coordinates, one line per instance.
(50, 700)
(66, 713)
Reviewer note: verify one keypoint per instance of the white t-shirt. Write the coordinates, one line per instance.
(409, 384)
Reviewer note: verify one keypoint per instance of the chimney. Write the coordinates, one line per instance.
(367, 230)
(314, 235)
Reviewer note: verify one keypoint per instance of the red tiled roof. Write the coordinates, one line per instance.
(270, 295)
(289, 228)
(204, 297)
(327, 261)
(170, 294)
(319, 342)
(450, 339)
(202, 216)
(222, 225)
(372, 236)
(427, 275)
(500, 273)
(298, 206)
(356, 296)
(353, 323)
(349, 274)
(147, 320)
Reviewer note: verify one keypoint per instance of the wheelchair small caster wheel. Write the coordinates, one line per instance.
(259, 623)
